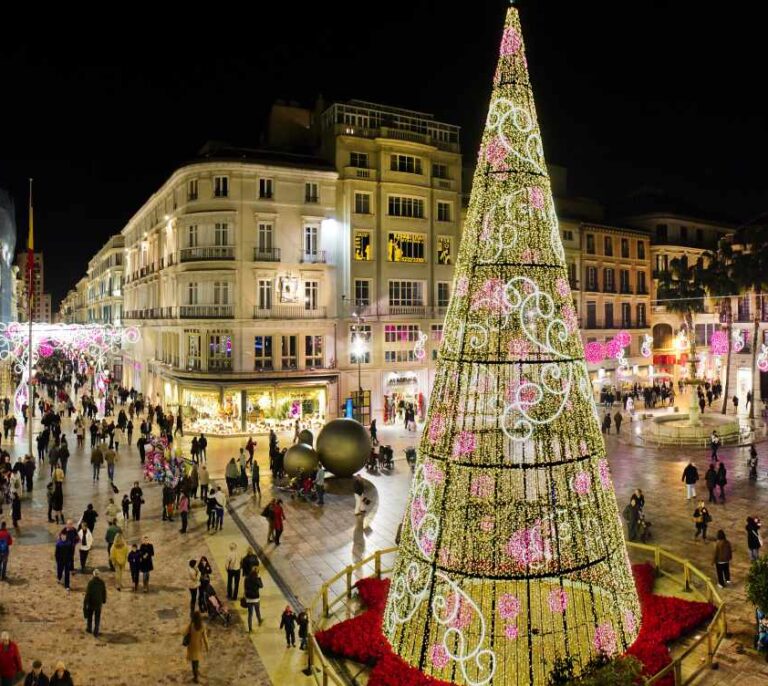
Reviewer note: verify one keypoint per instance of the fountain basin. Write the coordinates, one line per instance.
(675, 429)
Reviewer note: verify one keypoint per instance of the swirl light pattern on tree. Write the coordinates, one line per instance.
(512, 551)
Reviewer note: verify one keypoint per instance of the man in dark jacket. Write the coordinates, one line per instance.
(95, 597)
(36, 677)
(690, 477)
(711, 478)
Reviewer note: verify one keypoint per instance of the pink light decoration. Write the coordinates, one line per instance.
(433, 474)
(527, 546)
(439, 655)
(623, 338)
(509, 606)
(594, 352)
(529, 255)
(496, 153)
(613, 348)
(583, 449)
(418, 512)
(518, 348)
(562, 287)
(605, 474)
(462, 286)
(465, 443)
(605, 639)
(462, 610)
(492, 296)
(436, 427)
(570, 318)
(427, 545)
(536, 197)
(510, 42)
(481, 486)
(511, 631)
(718, 343)
(630, 621)
(557, 600)
(487, 524)
(45, 349)
(582, 483)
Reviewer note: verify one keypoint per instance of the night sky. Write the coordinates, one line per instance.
(100, 109)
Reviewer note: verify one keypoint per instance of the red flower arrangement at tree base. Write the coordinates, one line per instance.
(361, 639)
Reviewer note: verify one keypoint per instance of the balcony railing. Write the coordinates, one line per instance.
(311, 199)
(289, 312)
(211, 252)
(206, 311)
(266, 254)
(317, 257)
(626, 290)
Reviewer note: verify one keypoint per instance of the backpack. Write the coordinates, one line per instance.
(4, 545)
(627, 513)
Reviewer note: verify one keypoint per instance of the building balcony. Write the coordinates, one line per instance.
(289, 312)
(360, 173)
(443, 184)
(206, 311)
(211, 252)
(317, 257)
(394, 134)
(266, 254)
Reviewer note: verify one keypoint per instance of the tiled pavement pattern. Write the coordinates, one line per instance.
(317, 543)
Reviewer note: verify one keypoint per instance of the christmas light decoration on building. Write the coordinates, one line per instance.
(718, 343)
(646, 348)
(512, 551)
(762, 358)
(738, 340)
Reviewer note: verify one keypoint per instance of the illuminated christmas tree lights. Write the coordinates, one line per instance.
(512, 551)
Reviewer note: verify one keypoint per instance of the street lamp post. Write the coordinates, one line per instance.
(358, 350)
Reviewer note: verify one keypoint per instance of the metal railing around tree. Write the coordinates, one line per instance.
(336, 600)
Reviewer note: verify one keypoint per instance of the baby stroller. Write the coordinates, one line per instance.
(215, 608)
(386, 459)
(410, 457)
(372, 464)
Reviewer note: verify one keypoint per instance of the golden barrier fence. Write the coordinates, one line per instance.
(335, 600)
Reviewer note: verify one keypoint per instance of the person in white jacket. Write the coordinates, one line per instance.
(86, 543)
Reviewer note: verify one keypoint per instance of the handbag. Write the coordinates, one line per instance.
(187, 638)
(243, 603)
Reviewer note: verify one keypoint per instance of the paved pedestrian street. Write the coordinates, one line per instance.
(141, 633)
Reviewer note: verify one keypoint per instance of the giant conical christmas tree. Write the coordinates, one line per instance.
(512, 552)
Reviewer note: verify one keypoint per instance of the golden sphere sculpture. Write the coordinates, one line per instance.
(343, 446)
(300, 458)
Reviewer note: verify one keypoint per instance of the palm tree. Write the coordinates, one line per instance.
(751, 274)
(680, 290)
(716, 275)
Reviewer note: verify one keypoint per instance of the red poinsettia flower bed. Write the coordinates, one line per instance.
(361, 639)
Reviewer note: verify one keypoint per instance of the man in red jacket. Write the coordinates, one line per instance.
(10, 660)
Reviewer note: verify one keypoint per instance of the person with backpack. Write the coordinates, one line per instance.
(690, 477)
(701, 519)
(722, 559)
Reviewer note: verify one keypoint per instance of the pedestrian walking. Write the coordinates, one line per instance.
(37, 676)
(288, 622)
(193, 582)
(202, 443)
(126, 505)
(205, 570)
(255, 486)
(710, 477)
(690, 477)
(134, 564)
(137, 500)
(196, 641)
(184, 512)
(320, 484)
(359, 489)
(110, 457)
(95, 599)
(62, 555)
(278, 520)
(118, 557)
(721, 481)
(251, 588)
(714, 444)
(233, 565)
(249, 561)
(6, 541)
(85, 543)
(210, 510)
(374, 433)
(722, 559)
(221, 504)
(10, 660)
(701, 519)
(205, 479)
(89, 517)
(735, 404)
(16, 511)
(97, 460)
(618, 418)
(146, 553)
(267, 513)
(303, 621)
(61, 676)
(754, 542)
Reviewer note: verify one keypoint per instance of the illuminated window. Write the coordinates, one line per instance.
(313, 352)
(363, 248)
(362, 203)
(400, 206)
(262, 352)
(265, 189)
(641, 315)
(311, 290)
(406, 294)
(437, 332)
(401, 333)
(405, 163)
(310, 239)
(444, 250)
(358, 159)
(193, 349)
(405, 247)
(220, 186)
(399, 356)
(443, 211)
(220, 350)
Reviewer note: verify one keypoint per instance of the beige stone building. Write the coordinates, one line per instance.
(104, 289)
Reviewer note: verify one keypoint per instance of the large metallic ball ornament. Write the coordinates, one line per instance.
(343, 446)
(300, 458)
(306, 436)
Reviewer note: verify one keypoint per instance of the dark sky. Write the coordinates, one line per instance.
(100, 109)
